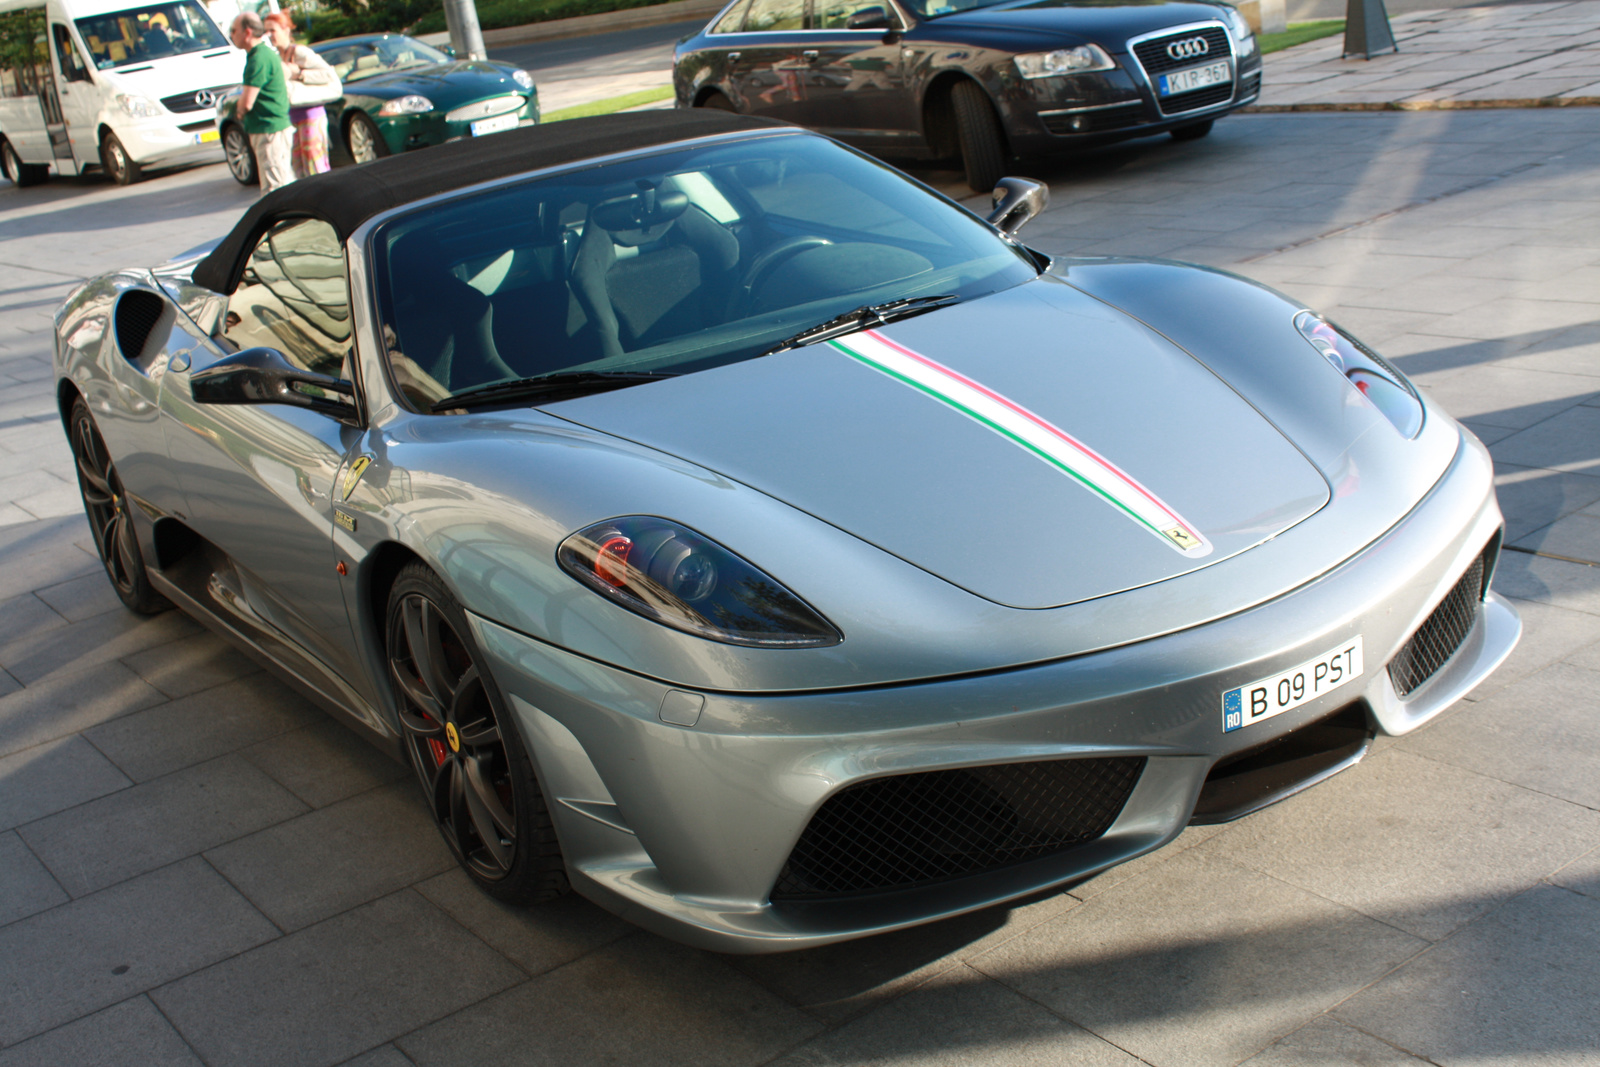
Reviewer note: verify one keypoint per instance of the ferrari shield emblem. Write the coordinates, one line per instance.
(353, 476)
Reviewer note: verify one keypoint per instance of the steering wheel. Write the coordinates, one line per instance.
(781, 252)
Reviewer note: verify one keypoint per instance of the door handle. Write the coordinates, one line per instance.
(809, 53)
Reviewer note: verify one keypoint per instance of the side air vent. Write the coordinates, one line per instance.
(138, 313)
(1442, 632)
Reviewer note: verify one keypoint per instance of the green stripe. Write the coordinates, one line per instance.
(997, 428)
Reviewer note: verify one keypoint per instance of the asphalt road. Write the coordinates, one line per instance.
(623, 52)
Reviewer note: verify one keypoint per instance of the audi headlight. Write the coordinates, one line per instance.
(522, 78)
(672, 575)
(140, 107)
(406, 105)
(1243, 36)
(1384, 387)
(1085, 57)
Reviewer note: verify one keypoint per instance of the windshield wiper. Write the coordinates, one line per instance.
(571, 383)
(863, 318)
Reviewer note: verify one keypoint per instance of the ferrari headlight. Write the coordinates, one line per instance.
(672, 575)
(522, 78)
(1371, 375)
(140, 107)
(406, 105)
(1243, 37)
(1085, 57)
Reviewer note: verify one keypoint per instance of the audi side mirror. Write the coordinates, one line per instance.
(868, 18)
(265, 376)
(1016, 200)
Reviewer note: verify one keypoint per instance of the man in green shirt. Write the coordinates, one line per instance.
(264, 106)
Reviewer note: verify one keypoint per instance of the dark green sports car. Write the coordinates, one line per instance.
(401, 94)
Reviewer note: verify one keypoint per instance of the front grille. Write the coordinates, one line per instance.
(482, 109)
(184, 102)
(1442, 632)
(1153, 57)
(892, 833)
(1098, 121)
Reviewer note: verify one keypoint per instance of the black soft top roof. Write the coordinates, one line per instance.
(349, 196)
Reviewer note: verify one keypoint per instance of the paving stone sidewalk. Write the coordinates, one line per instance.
(1507, 55)
(197, 867)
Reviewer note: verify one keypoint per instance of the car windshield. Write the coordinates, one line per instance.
(354, 60)
(667, 263)
(143, 34)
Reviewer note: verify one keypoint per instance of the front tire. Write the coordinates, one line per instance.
(117, 163)
(475, 773)
(983, 151)
(717, 102)
(241, 157)
(362, 139)
(106, 504)
(1192, 133)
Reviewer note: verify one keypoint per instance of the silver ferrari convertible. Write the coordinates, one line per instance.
(728, 527)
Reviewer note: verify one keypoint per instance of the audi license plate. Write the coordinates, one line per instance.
(1183, 81)
(494, 125)
(1261, 700)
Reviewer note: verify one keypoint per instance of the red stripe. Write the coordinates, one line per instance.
(1036, 420)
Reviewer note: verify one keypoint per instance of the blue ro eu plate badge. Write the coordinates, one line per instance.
(1287, 690)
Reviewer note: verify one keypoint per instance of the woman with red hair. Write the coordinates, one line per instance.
(302, 65)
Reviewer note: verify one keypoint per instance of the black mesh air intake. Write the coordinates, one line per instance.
(1442, 632)
(892, 833)
(138, 312)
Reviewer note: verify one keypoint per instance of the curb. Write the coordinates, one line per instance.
(1429, 105)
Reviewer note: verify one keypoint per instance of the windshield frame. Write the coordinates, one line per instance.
(370, 236)
(83, 24)
(424, 50)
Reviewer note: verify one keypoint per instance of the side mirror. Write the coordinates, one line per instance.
(1016, 200)
(264, 376)
(868, 18)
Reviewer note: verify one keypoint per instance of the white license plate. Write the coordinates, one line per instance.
(494, 125)
(1183, 81)
(1274, 695)
(206, 136)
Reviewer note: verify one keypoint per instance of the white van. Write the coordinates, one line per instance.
(102, 83)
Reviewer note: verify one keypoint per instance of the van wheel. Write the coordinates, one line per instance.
(241, 159)
(21, 174)
(117, 163)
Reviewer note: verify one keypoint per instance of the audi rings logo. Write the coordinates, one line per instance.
(1188, 48)
(208, 97)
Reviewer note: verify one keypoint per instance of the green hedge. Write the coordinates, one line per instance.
(399, 16)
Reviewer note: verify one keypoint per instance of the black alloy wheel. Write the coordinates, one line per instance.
(1194, 132)
(983, 148)
(362, 139)
(241, 157)
(475, 774)
(107, 506)
(117, 163)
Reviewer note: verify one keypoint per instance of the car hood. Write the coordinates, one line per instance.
(1109, 23)
(1035, 447)
(447, 85)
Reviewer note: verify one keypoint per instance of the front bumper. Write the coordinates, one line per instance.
(403, 133)
(685, 829)
(1082, 110)
(186, 139)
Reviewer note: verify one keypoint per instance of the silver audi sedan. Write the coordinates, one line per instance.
(727, 527)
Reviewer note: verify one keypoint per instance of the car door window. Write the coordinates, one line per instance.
(775, 16)
(733, 20)
(294, 297)
(835, 14)
(72, 66)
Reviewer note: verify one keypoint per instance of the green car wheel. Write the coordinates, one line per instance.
(363, 140)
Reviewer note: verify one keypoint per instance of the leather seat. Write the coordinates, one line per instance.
(442, 324)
